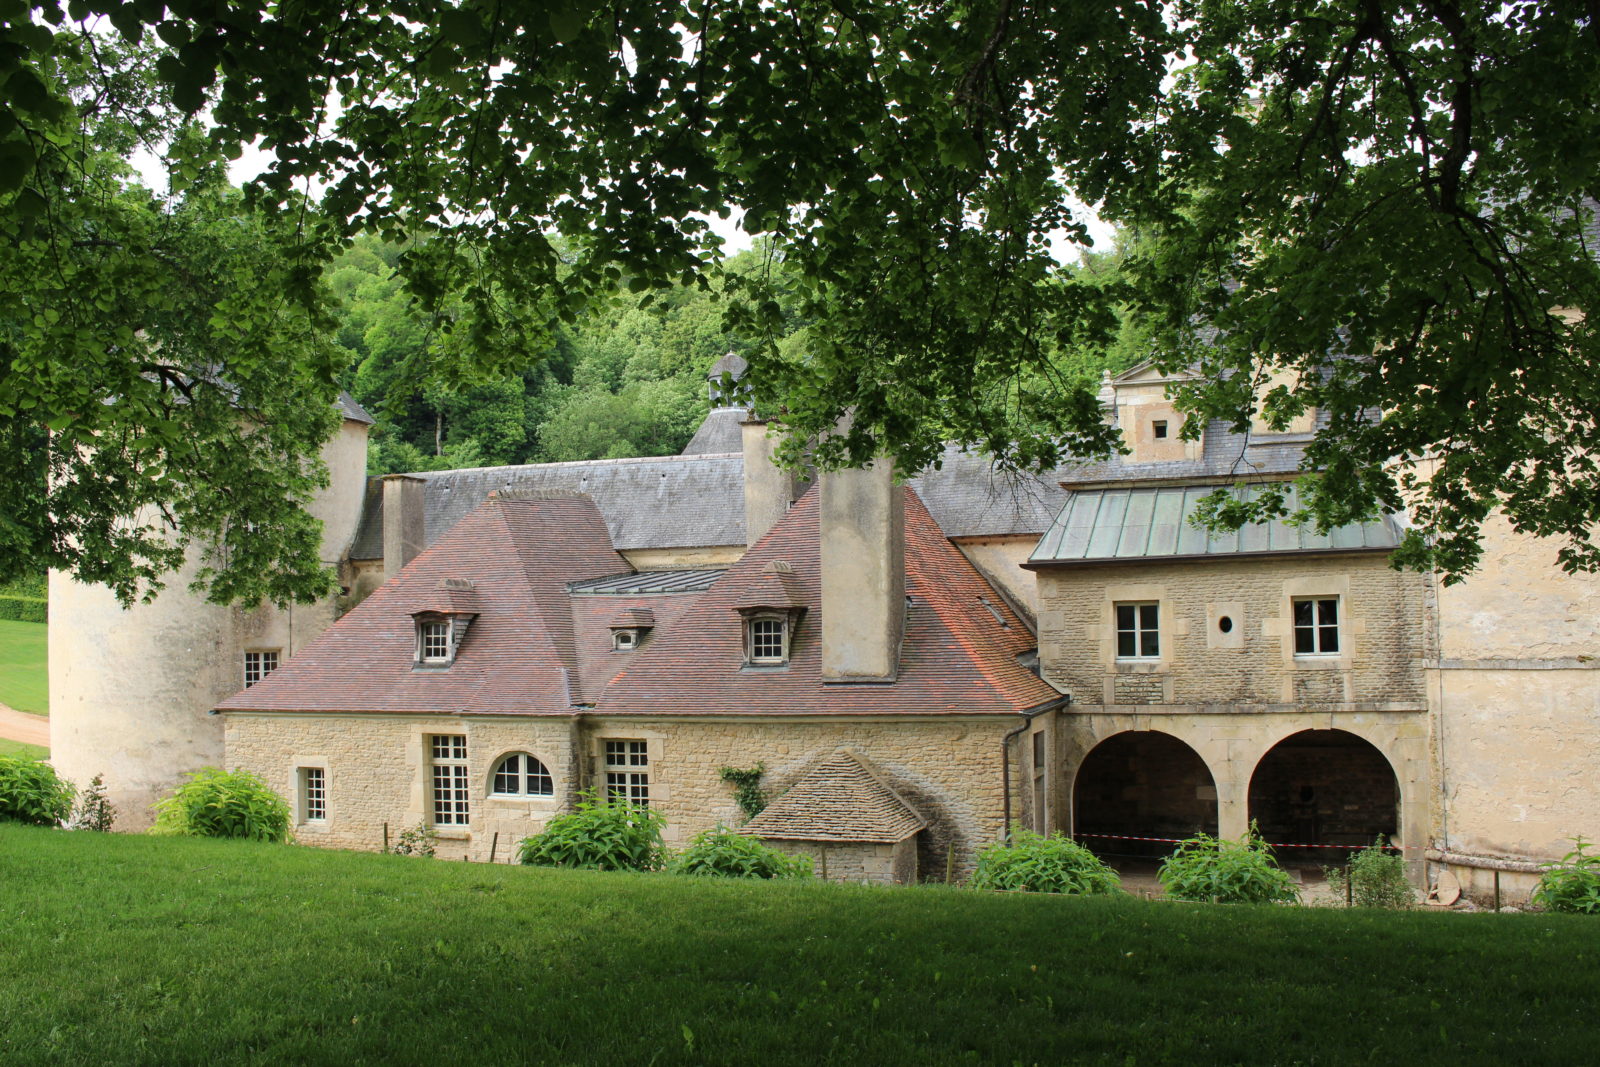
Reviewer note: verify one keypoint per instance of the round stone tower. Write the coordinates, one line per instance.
(131, 689)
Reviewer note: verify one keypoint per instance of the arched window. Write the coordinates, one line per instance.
(520, 775)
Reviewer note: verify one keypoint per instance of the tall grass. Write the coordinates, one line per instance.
(133, 949)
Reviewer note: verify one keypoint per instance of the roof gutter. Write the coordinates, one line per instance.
(1028, 715)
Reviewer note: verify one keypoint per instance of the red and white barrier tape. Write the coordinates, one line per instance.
(1274, 844)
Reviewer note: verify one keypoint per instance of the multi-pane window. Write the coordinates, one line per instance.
(314, 794)
(1138, 631)
(449, 778)
(766, 641)
(1316, 626)
(520, 775)
(627, 772)
(257, 665)
(435, 638)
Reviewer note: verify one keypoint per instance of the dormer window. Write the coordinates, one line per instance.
(629, 626)
(771, 607)
(768, 640)
(434, 643)
(625, 640)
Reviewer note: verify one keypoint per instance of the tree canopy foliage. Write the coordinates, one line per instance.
(1370, 207)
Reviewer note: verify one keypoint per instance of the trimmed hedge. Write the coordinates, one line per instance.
(24, 609)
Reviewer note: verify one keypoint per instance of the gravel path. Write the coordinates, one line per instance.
(20, 726)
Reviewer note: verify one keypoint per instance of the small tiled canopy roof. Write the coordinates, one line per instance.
(842, 800)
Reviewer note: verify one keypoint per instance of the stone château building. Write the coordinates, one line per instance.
(913, 664)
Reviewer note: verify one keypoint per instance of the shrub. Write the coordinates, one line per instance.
(1226, 872)
(1377, 878)
(216, 803)
(94, 811)
(24, 609)
(419, 840)
(1573, 885)
(32, 792)
(1024, 860)
(723, 852)
(598, 836)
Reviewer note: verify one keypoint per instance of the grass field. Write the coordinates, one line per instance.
(24, 681)
(18, 748)
(136, 949)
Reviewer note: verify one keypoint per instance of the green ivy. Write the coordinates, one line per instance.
(747, 788)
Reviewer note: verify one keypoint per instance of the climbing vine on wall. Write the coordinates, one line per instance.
(747, 788)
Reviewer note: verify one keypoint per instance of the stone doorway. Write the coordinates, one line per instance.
(1324, 788)
(1141, 784)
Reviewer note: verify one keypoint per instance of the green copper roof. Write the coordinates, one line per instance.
(1152, 523)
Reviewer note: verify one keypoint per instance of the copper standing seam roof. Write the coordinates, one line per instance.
(1099, 525)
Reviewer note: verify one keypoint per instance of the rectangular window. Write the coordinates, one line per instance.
(1138, 631)
(1316, 626)
(435, 642)
(257, 665)
(449, 779)
(313, 794)
(1040, 819)
(1158, 429)
(766, 641)
(627, 774)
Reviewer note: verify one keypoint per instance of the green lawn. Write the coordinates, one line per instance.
(24, 680)
(18, 748)
(136, 949)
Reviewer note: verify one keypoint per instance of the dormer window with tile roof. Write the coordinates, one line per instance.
(771, 608)
(442, 624)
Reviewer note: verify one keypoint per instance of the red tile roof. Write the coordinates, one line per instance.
(519, 655)
(957, 658)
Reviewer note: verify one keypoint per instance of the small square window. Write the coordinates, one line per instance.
(313, 794)
(1138, 631)
(624, 640)
(1316, 626)
(1158, 429)
(257, 665)
(768, 640)
(434, 638)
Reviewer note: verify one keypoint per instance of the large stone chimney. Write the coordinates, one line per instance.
(403, 532)
(863, 574)
(768, 488)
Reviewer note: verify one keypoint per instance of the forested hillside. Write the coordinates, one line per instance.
(627, 381)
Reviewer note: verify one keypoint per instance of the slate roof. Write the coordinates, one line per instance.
(841, 800)
(958, 656)
(519, 656)
(670, 502)
(1152, 523)
(719, 433)
(352, 410)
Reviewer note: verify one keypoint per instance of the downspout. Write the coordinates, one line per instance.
(1028, 715)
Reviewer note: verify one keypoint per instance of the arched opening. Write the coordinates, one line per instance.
(1142, 784)
(1324, 788)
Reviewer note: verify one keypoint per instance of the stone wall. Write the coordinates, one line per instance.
(947, 768)
(859, 862)
(1226, 633)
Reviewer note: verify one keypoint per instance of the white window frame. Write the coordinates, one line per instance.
(627, 769)
(1139, 631)
(449, 781)
(519, 770)
(434, 644)
(756, 639)
(1317, 629)
(260, 662)
(313, 786)
(624, 640)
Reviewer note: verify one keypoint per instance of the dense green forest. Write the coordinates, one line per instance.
(629, 380)
(625, 381)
